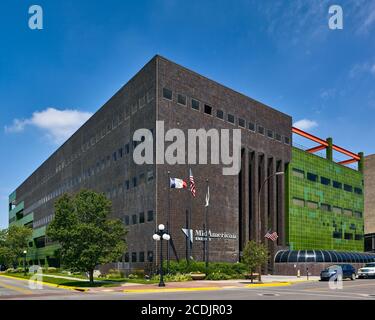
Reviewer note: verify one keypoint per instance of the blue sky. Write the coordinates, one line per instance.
(279, 52)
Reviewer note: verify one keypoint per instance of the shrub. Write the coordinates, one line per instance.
(178, 277)
(50, 270)
(115, 274)
(218, 276)
(10, 270)
(234, 270)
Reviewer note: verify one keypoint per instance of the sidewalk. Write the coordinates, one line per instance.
(205, 285)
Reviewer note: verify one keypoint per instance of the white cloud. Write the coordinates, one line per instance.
(58, 125)
(362, 68)
(305, 124)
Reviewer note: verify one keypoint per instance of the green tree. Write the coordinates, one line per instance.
(13, 242)
(86, 234)
(254, 256)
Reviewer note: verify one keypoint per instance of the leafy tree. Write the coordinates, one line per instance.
(86, 234)
(13, 242)
(254, 256)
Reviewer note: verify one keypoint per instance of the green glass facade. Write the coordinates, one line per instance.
(325, 204)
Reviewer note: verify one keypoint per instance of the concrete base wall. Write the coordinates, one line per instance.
(314, 269)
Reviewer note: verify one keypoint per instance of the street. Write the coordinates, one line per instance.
(15, 289)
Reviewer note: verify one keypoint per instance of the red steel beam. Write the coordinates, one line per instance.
(322, 142)
(316, 149)
(309, 136)
(346, 152)
(349, 161)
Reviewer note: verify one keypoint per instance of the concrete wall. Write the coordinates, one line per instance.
(369, 174)
(234, 199)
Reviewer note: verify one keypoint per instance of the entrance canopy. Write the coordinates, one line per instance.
(306, 256)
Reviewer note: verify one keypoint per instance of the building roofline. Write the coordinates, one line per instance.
(221, 85)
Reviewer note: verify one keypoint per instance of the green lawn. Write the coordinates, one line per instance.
(82, 284)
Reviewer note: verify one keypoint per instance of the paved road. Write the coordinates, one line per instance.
(352, 290)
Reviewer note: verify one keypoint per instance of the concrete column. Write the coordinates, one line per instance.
(329, 149)
(263, 198)
(272, 210)
(245, 197)
(361, 163)
(254, 222)
(281, 205)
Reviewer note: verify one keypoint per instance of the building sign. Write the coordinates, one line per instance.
(201, 235)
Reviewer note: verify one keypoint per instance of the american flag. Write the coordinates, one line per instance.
(192, 183)
(272, 236)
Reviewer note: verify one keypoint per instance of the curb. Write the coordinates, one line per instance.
(171, 290)
(275, 284)
(49, 284)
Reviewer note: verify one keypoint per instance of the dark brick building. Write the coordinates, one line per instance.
(99, 157)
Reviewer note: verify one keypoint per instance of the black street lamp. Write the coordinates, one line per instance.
(161, 235)
(24, 261)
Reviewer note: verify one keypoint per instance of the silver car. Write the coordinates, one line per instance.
(368, 271)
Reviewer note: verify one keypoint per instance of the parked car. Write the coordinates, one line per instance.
(348, 272)
(368, 271)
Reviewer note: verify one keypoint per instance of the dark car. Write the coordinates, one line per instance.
(348, 272)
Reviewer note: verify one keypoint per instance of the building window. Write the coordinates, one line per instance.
(260, 130)
(358, 214)
(325, 181)
(126, 220)
(167, 94)
(142, 217)
(337, 185)
(278, 137)
(142, 102)
(298, 173)
(141, 256)
(220, 114)
(270, 134)
(348, 236)
(348, 212)
(312, 177)
(325, 207)
(358, 191)
(312, 205)
(134, 256)
(358, 237)
(207, 109)
(150, 215)
(298, 202)
(114, 156)
(150, 256)
(150, 176)
(241, 122)
(134, 182)
(337, 235)
(230, 118)
(134, 219)
(337, 210)
(251, 126)
(150, 95)
(127, 148)
(127, 185)
(120, 152)
(348, 188)
(126, 257)
(195, 104)
(287, 140)
(181, 99)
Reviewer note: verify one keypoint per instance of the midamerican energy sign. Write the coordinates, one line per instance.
(201, 235)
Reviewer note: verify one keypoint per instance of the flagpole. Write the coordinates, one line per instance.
(190, 218)
(207, 239)
(169, 220)
(187, 237)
